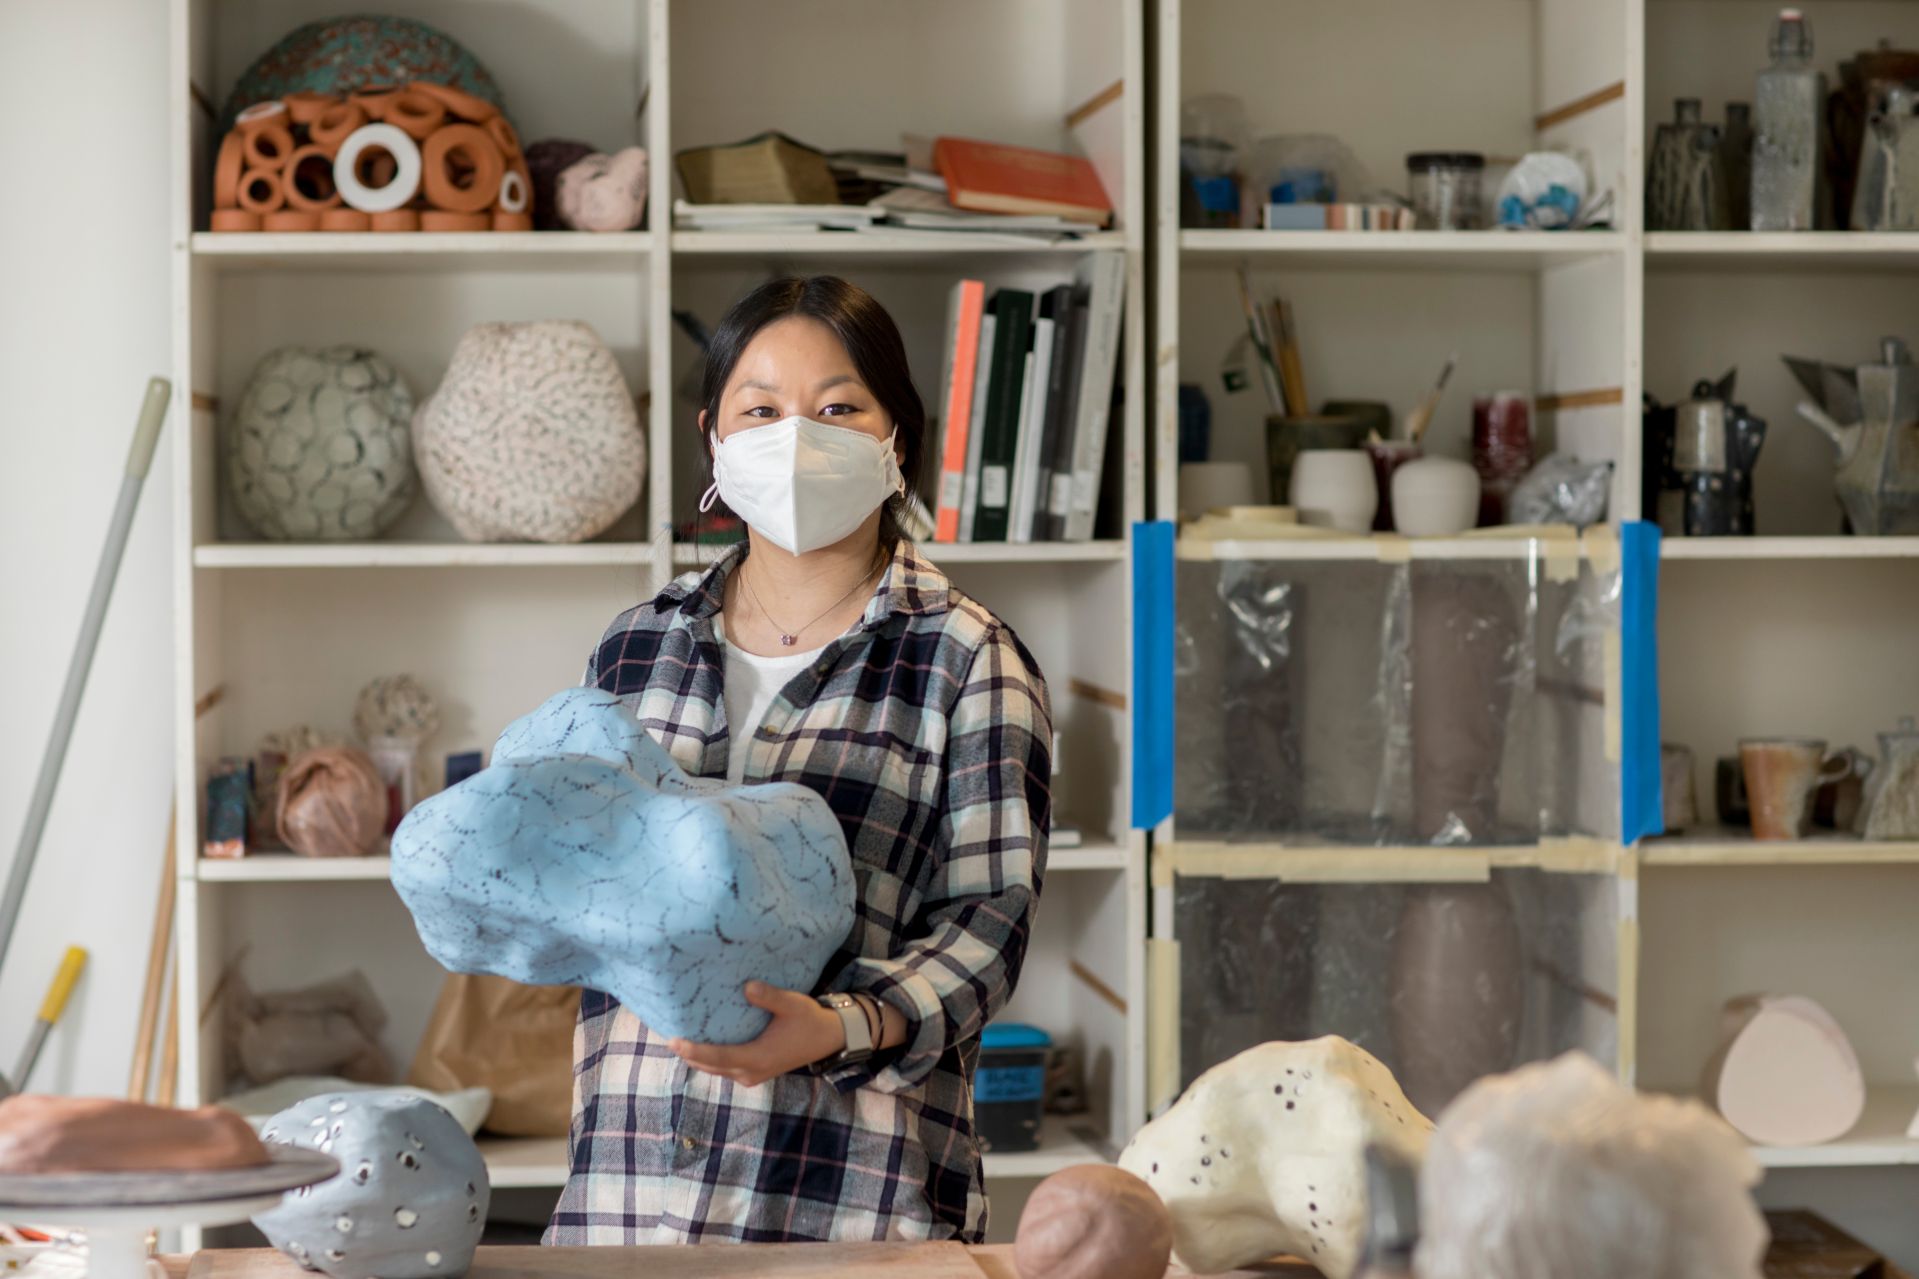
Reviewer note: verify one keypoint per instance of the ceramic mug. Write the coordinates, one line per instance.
(1435, 497)
(1334, 488)
(1781, 775)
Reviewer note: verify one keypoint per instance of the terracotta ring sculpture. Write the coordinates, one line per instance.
(397, 220)
(345, 220)
(515, 192)
(462, 104)
(415, 112)
(334, 125)
(227, 170)
(262, 191)
(307, 106)
(375, 99)
(259, 115)
(268, 146)
(469, 146)
(442, 220)
(406, 178)
(501, 130)
(504, 221)
(234, 220)
(290, 220)
(309, 179)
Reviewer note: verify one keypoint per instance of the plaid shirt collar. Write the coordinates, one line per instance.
(910, 586)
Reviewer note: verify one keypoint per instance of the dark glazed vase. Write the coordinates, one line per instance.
(1458, 990)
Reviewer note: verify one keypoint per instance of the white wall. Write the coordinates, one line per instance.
(83, 324)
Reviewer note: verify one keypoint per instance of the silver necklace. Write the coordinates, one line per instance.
(790, 638)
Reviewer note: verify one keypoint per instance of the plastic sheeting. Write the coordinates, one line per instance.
(1350, 704)
(1447, 702)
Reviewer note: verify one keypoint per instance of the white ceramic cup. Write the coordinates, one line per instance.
(1334, 488)
(1435, 497)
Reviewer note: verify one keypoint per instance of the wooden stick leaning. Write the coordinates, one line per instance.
(156, 970)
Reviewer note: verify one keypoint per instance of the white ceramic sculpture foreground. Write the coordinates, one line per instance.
(1265, 1154)
(1557, 1169)
(1784, 1074)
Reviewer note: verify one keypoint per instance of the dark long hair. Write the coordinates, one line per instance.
(871, 339)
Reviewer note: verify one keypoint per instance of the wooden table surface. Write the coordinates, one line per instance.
(706, 1261)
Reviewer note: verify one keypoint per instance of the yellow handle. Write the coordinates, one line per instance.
(63, 981)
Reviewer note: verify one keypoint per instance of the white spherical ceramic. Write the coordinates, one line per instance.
(1334, 488)
(1435, 497)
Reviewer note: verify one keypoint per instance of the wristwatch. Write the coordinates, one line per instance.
(859, 1032)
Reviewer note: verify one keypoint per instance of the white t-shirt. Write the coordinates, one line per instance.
(750, 683)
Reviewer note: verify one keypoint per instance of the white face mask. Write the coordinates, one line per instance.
(803, 484)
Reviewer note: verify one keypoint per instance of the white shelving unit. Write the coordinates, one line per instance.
(291, 631)
(1794, 631)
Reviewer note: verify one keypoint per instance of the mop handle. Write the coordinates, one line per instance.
(153, 411)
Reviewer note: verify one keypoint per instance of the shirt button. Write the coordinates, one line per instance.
(690, 1144)
(769, 732)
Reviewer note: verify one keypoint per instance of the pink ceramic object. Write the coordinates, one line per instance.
(1784, 1074)
(606, 192)
(1093, 1222)
(234, 220)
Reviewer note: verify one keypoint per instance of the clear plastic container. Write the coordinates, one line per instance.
(1446, 189)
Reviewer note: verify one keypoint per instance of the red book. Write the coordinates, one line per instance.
(985, 177)
(963, 310)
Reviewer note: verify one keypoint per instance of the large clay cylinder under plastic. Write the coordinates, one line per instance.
(1457, 990)
(1464, 642)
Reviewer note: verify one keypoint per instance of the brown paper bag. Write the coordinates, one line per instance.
(517, 1041)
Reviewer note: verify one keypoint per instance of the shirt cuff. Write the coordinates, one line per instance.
(906, 1065)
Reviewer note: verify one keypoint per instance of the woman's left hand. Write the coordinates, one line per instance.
(801, 1033)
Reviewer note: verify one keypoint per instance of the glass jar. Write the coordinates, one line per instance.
(1446, 189)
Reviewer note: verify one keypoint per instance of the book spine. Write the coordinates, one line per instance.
(962, 357)
(1014, 343)
(1059, 501)
(1107, 302)
(1061, 372)
(1032, 428)
(976, 430)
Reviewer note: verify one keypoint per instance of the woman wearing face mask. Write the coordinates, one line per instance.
(823, 650)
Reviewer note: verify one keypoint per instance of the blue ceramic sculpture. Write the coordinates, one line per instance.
(583, 856)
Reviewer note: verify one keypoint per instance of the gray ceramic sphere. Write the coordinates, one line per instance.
(319, 447)
(411, 1197)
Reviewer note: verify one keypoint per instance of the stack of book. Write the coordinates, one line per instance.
(1338, 217)
(1026, 394)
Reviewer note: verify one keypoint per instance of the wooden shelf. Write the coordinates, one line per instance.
(521, 1163)
(1063, 1144)
(470, 251)
(1715, 846)
(1878, 1140)
(1801, 250)
(1407, 250)
(417, 554)
(290, 868)
(900, 246)
(1325, 544)
(688, 555)
(1788, 548)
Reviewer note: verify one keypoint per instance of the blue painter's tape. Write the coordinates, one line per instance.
(1642, 803)
(1153, 623)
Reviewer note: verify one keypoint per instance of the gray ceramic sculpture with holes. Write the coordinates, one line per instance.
(411, 1197)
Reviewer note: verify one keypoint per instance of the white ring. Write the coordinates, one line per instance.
(406, 178)
(513, 192)
(261, 110)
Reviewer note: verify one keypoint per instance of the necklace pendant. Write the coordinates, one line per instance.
(789, 640)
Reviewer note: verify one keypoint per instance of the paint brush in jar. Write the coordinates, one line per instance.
(1422, 416)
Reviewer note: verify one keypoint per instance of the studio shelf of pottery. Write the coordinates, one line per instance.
(1786, 625)
(1339, 779)
(338, 382)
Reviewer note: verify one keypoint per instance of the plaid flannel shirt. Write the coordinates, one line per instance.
(926, 728)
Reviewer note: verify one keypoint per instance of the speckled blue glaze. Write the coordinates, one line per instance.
(584, 856)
